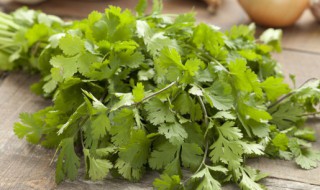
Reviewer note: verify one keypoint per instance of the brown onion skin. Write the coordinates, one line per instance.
(274, 13)
(315, 9)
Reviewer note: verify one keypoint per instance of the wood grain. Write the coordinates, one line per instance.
(303, 65)
(23, 166)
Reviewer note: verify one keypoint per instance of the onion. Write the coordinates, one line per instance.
(315, 9)
(274, 13)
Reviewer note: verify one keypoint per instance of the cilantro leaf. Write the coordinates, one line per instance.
(68, 162)
(71, 45)
(138, 92)
(219, 95)
(191, 155)
(174, 132)
(159, 112)
(207, 181)
(167, 182)
(30, 127)
(274, 88)
(162, 155)
(136, 152)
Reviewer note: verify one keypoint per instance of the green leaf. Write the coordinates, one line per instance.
(166, 182)
(126, 99)
(100, 125)
(286, 115)
(98, 168)
(174, 132)
(71, 45)
(209, 38)
(159, 112)
(141, 7)
(281, 141)
(68, 162)
(229, 131)
(136, 152)
(308, 159)
(127, 171)
(37, 33)
(207, 181)
(274, 88)
(244, 78)
(191, 155)
(254, 112)
(248, 180)
(79, 113)
(162, 155)
(123, 123)
(219, 95)
(105, 151)
(252, 148)
(306, 134)
(65, 66)
(225, 151)
(30, 126)
(272, 37)
(155, 41)
(157, 6)
(138, 92)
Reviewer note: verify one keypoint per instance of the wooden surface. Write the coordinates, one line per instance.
(24, 166)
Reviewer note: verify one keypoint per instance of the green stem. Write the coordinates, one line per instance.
(205, 114)
(153, 135)
(4, 27)
(281, 99)
(309, 114)
(150, 96)
(6, 50)
(6, 33)
(4, 40)
(290, 94)
(5, 16)
(9, 23)
(206, 122)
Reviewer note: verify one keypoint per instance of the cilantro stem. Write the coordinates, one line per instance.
(6, 40)
(6, 33)
(5, 16)
(310, 114)
(206, 122)
(203, 162)
(55, 154)
(150, 96)
(9, 23)
(158, 92)
(290, 94)
(205, 114)
(281, 99)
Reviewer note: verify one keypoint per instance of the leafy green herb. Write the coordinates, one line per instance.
(135, 92)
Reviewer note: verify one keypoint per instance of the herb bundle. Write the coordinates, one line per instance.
(135, 92)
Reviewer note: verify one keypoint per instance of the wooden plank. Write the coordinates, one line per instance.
(303, 65)
(23, 166)
(278, 184)
(304, 36)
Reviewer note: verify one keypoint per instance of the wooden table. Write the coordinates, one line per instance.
(24, 166)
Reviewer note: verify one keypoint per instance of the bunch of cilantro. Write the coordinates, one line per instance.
(135, 92)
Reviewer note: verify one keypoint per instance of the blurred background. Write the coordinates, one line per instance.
(223, 13)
